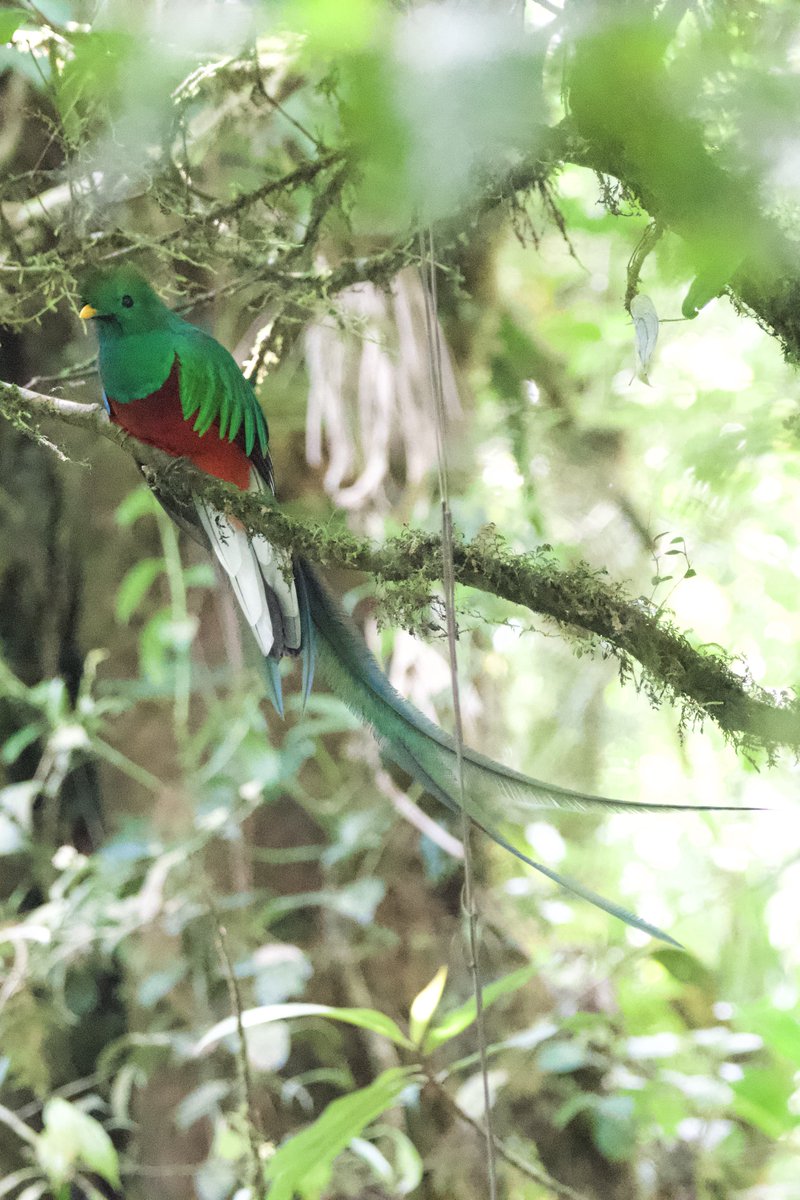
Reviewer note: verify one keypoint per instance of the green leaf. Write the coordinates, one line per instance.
(203, 1102)
(51, 697)
(268, 1046)
(406, 1160)
(374, 1158)
(72, 1137)
(139, 503)
(302, 1166)
(779, 1029)
(561, 1056)
(461, 1018)
(19, 741)
(90, 78)
(334, 28)
(10, 21)
(362, 1018)
(684, 967)
(135, 586)
(199, 575)
(357, 901)
(577, 1103)
(613, 1128)
(158, 984)
(424, 1005)
(761, 1098)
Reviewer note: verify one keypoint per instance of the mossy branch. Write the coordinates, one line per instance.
(579, 599)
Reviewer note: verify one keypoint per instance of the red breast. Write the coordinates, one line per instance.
(158, 420)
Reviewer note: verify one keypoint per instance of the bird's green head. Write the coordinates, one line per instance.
(121, 301)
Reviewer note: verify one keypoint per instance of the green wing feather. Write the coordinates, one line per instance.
(213, 389)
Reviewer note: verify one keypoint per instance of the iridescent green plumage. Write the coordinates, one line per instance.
(139, 343)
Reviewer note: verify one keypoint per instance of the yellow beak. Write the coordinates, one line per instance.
(87, 312)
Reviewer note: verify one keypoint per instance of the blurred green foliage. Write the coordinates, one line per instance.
(229, 866)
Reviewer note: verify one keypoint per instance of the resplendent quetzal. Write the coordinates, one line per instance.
(173, 386)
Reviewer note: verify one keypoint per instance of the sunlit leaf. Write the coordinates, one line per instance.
(761, 1098)
(10, 21)
(424, 1005)
(71, 1137)
(334, 28)
(463, 1016)
(363, 1018)
(779, 1029)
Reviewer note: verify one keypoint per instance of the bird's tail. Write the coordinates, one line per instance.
(493, 794)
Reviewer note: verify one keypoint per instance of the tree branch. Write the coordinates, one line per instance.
(766, 282)
(579, 599)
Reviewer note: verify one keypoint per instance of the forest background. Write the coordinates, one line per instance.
(172, 853)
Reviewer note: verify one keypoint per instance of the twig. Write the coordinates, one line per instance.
(12, 1121)
(412, 813)
(643, 248)
(242, 1061)
(538, 1174)
(15, 975)
(428, 272)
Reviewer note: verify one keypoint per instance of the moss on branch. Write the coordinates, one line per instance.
(579, 599)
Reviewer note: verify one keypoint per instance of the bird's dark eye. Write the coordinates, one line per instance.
(127, 301)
